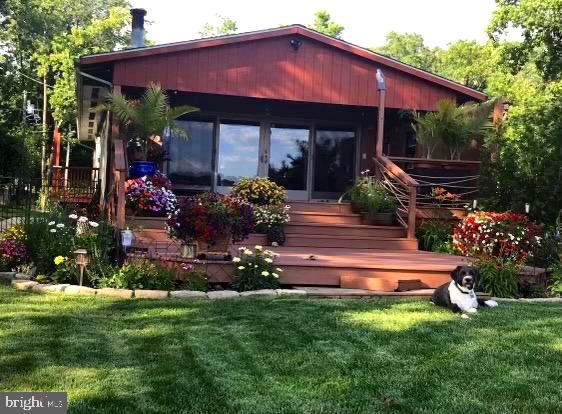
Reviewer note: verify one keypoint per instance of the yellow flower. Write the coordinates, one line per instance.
(59, 259)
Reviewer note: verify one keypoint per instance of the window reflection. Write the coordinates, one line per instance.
(238, 152)
(334, 162)
(190, 160)
(288, 157)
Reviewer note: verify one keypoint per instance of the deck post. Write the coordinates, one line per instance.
(380, 119)
(411, 231)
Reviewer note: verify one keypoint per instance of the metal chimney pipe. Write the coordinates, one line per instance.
(137, 32)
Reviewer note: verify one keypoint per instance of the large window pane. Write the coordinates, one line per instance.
(334, 162)
(288, 157)
(238, 152)
(191, 159)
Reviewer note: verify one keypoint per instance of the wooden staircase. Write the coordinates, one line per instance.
(327, 245)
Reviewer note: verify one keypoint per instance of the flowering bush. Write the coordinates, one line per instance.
(192, 278)
(14, 232)
(502, 235)
(270, 216)
(208, 217)
(13, 253)
(255, 269)
(151, 195)
(259, 191)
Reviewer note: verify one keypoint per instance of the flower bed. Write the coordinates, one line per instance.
(150, 196)
(501, 235)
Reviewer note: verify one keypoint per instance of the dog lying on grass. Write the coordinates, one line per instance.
(459, 295)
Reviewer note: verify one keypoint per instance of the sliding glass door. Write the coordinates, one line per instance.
(334, 162)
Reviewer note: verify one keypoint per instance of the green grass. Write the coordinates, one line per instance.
(280, 355)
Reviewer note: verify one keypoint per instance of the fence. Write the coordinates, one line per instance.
(21, 197)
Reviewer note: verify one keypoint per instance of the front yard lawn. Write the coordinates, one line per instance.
(282, 355)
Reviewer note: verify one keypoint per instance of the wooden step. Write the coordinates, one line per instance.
(321, 241)
(324, 218)
(320, 207)
(360, 230)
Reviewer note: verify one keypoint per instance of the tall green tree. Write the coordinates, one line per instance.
(408, 48)
(323, 23)
(225, 26)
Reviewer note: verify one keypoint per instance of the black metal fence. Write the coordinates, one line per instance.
(23, 198)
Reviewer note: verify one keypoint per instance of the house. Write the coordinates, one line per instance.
(288, 103)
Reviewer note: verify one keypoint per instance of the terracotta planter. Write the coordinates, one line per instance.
(154, 223)
(220, 245)
(379, 219)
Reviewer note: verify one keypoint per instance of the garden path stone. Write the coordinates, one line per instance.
(7, 275)
(50, 288)
(188, 294)
(151, 294)
(286, 292)
(120, 293)
(79, 290)
(259, 292)
(23, 285)
(223, 294)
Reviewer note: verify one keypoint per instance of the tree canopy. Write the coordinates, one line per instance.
(323, 23)
(225, 26)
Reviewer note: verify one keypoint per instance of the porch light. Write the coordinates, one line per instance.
(474, 204)
(527, 208)
(82, 260)
(380, 80)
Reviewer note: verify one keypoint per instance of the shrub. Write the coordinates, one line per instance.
(13, 253)
(498, 277)
(140, 275)
(555, 286)
(378, 199)
(14, 232)
(359, 191)
(193, 278)
(269, 216)
(508, 236)
(434, 235)
(66, 270)
(255, 269)
(259, 191)
(208, 217)
(151, 196)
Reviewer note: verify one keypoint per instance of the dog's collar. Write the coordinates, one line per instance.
(462, 291)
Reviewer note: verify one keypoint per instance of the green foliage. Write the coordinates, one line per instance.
(408, 48)
(323, 23)
(149, 116)
(555, 286)
(66, 272)
(379, 199)
(141, 275)
(225, 26)
(434, 235)
(195, 279)
(498, 277)
(255, 269)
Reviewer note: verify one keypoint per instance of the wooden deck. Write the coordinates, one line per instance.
(327, 245)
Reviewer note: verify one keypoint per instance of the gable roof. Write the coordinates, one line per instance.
(296, 29)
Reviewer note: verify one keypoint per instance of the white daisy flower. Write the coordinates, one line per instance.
(82, 219)
(73, 216)
(241, 267)
(278, 270)
(60, 225)
(51, 223)
(275, 275)
(258, 247)
(265, 273)
(94, 224)
(236, 260)
(53, 230)
(268, 260)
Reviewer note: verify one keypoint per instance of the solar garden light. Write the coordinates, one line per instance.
(82, 260)
(527, 208)
(474, 204)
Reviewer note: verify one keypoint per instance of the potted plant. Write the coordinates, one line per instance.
(150, 201)
(146, 119)
(212, 221)
(381, 206)
(358, 193)
(270, 220)
(260, 191)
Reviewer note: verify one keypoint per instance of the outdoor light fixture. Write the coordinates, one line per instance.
(474, 204)
(295, 44)
(527, 208)
(380, 80)
(82, 260)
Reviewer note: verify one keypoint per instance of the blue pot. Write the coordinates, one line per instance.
(139, 169)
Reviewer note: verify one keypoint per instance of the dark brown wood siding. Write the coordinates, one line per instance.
(270, 68)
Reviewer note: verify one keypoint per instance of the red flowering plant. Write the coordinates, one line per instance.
(151, 196)
(12, 253)
(208, 217)
(510, 236)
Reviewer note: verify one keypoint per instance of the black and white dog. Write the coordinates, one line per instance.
(459, 295)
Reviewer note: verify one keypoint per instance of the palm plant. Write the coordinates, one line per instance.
(452, 125)
(147, 117)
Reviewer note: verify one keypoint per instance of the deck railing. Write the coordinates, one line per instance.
(73, 184)
(404, 189)
(442, 183)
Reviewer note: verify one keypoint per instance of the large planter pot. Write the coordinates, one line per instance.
(143, 222)
(276, 235)
(139, 169)
(379, 219)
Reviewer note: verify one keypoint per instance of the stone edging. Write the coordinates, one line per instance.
(529, 300)
(148, 294)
